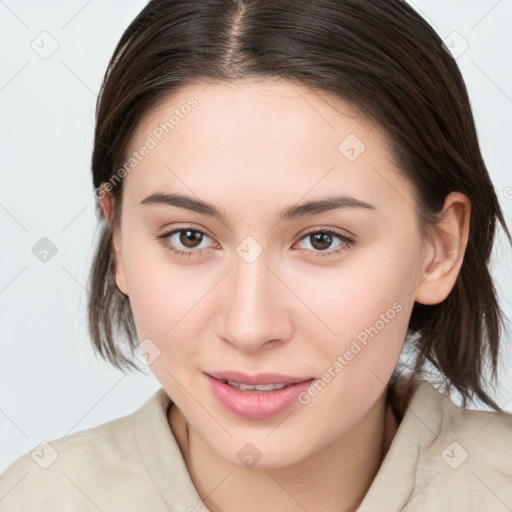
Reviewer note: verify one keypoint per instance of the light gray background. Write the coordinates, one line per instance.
(51, 383)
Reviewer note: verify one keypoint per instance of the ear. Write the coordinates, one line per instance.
(445, 251)
(107, 202)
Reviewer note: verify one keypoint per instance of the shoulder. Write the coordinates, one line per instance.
(75, 469)
(483, 433)
(463, 454)
(443, 457)
(432, 407)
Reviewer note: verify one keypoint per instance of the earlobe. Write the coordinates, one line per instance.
(446, 249)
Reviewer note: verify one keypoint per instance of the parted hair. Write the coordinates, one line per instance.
(383, 58)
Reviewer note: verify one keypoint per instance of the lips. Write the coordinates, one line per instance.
(253, 404)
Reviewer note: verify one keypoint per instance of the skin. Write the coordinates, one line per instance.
(251, 149)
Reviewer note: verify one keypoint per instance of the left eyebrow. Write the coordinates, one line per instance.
(291, 212)
(324, 205)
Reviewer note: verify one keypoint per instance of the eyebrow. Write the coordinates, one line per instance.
(291, 212)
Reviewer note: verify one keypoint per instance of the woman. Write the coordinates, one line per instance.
(292, 196)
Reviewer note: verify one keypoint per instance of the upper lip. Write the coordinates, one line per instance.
(260, 378)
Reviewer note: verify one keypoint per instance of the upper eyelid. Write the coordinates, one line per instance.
(336, 231)
(174, 230)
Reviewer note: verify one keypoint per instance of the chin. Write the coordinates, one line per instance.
(263, 454)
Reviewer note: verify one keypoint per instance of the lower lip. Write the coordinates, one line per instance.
(256, 405)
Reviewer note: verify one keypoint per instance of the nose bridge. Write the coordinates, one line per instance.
(251, 289)
(251, 309)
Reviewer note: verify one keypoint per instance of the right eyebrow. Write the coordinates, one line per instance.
(181, 201)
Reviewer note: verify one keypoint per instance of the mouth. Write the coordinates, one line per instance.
(266, 396)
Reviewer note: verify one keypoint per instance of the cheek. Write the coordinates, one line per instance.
(166, 318)
(167, 302)
(361, 293)
(367, 311)
(155, 287)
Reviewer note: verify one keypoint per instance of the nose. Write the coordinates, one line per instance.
(255, 312)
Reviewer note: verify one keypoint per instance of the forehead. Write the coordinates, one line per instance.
(260, 135)
(276, 112)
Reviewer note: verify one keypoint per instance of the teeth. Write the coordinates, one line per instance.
(257, 387)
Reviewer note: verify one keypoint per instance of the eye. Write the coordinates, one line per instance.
(321, 239)
(185, 241)
(188, 238)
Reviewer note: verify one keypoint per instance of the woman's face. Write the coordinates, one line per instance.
(263, 291)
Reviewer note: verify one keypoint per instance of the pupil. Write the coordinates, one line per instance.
(187, 239)
(324, 238)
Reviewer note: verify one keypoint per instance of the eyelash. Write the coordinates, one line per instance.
(347, 243)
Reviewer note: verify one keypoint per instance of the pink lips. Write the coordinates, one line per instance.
(252, 404)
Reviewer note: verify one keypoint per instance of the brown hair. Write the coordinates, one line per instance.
(381, 56)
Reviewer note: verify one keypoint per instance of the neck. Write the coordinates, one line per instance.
(335, 478)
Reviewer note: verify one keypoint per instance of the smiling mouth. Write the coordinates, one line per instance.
(266, 396)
